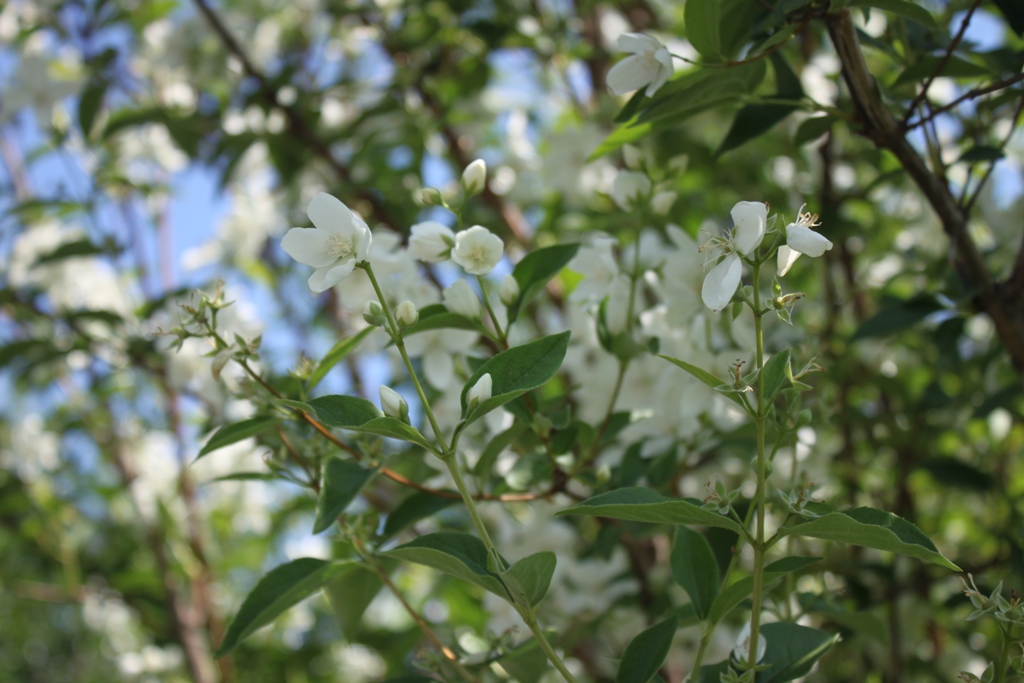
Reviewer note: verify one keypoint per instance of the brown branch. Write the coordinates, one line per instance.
(969, 95)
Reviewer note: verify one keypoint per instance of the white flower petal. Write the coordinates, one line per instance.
(460, 298)
(331, 215)
(632, 73)
(477, 250)
(308, 246)
(439, 369)
(323, 279)
(637, 42)
(787, 257)
(722, 282)
(806, 241)
(431, 241)
(750, 219)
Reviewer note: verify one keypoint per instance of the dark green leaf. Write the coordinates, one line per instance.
(737, 592)
(956, 473)
(927, 65)
(536, 269)
(1013, 12)
(233, 433)
(910, 10)
(812, 129)
(644, 505)
(360, 415)
(703, 375)
(531, 576)
(791, 651)
(897, 315)
(754, 120)
(282, 588)
(774, 375)
(526, 663)
(340, 484)
(437, 317)
(982, 153)
(351, 593)
(516, 371)
(83, 247)
(631, 107)
(335, 356)
(419, 505)
(712, 673)
(702, 19)
(695, 568)
(873, 529)
(89, 104)
(461, 555)
(645, 653)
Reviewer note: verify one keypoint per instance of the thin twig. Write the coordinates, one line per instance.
(969, 95)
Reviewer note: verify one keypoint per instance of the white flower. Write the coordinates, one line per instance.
(474, 177)
(650, 63)
(662, 202)
(629, 188)
(800, 239)
(406, 314)
(392, 403)
(617, 311)
(477, 250)
(437, 348)
(509, 290)
(741, 651)
(431, 241)
(750, 219)
(460, 298)
(597, 266)
(339, 240)
(633, 157)
(479, 392)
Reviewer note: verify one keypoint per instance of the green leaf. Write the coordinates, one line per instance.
(350, 593)
(282, 588)
(340, 484)
(791, 650)
(535, 270)
(1013, 12)
(419, 505)
(903, 8)
(872, 528)
(516, 371)
(360, 415)
(83, 247)
(460, 555)
(735, 593)
(89, 104)
(897, 315)
(812, 129)
(646, 653)
(644, 505)
(754, 120)
(530, 577)
(956, 473)
(955, 67)
(233, 433)
(703, 375)
(437, 317)
(526, 663)
(695, 568)
(982, 153)
(337, 354)
(712, 673)
(774, 374)
(702, 20)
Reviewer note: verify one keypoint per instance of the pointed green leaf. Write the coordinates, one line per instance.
(872, 528)
(337, 354)
(712, 673)
(526, 663)
(646, 653)
(89, 104)
(233, 433)
(461, 555)
(534, 271)
(701, 374)
(702, 19)
(812, 129)
(350, 593)
(737, 592)
(775, 375)
(360, 415)
(282, 588)
(695, 568)
(910, 10)
(791, 650)
(644, 505)
(531, 576)
(419, 505)
(341, 482)
(437, 317)
(516, 371)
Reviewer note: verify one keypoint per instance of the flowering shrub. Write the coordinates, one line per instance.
(574, 410)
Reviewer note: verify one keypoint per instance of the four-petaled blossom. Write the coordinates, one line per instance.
(393, 405)
(474, 177)
(751, 220)
(509, 290)
(650, 65)
(431, 242)
(339, 241)
(800, 239)
(477, 250)
(460, 298)
(741, 650)
(629, 188)
(479, 392)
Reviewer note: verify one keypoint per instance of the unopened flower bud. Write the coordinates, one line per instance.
(373, 313)
(509, 290)
(803, 418)
(460, 298)
(393, 405)
(406, 314)
(431, 196)
(479, 392)
(474, 177)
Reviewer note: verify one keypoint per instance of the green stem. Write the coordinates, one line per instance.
(502, 335)
(1004, 656)
(548, 650)
(759, 544)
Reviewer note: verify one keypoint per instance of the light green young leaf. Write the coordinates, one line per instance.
(703, 375)
(461, 555)
(695, 568)
(516, 371)
(341, 482)
(233, 433)
(791, 651)
(735, 593)
(644, 505)
(646, 652)
(702, 19)
(534, 271)
(873, 529)
(531, 576)
(360, 415)
(335, 356)
(774, 374)
(282, 588)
